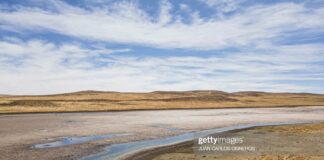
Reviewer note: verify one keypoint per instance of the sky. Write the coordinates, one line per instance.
(58, 46)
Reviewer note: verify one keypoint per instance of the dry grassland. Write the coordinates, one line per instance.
(116, 101)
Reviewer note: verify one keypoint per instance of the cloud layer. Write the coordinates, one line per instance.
(268, 47)
(125, 22)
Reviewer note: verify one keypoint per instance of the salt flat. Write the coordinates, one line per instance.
(20, 132)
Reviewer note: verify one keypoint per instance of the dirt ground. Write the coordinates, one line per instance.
(20, 132)
(287, 142)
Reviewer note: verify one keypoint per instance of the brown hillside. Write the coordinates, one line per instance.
(115, 101)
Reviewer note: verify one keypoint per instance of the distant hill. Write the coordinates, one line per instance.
(118, 101)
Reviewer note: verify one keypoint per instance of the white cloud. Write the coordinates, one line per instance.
(125, 22)
(41, 66)
(165, 15)
(42, 70)
(48, 57)
(184, 7)
(223, 5)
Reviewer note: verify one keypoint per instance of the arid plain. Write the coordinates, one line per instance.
(91, 124)
(116, 101)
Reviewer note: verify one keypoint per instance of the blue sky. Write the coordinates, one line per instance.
(57, 46)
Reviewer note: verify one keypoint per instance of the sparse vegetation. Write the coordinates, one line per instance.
(286, 142)
(30, 103)
(116, 101)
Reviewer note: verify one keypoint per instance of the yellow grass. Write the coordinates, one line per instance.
(115, 101)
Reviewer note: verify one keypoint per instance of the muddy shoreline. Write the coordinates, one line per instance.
(158, 109)
(182, 149)
(151, 153)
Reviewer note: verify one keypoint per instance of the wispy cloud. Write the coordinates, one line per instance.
(44, 55)
(268, 47)
(125, 22)
(223, 6)
(49, 68)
